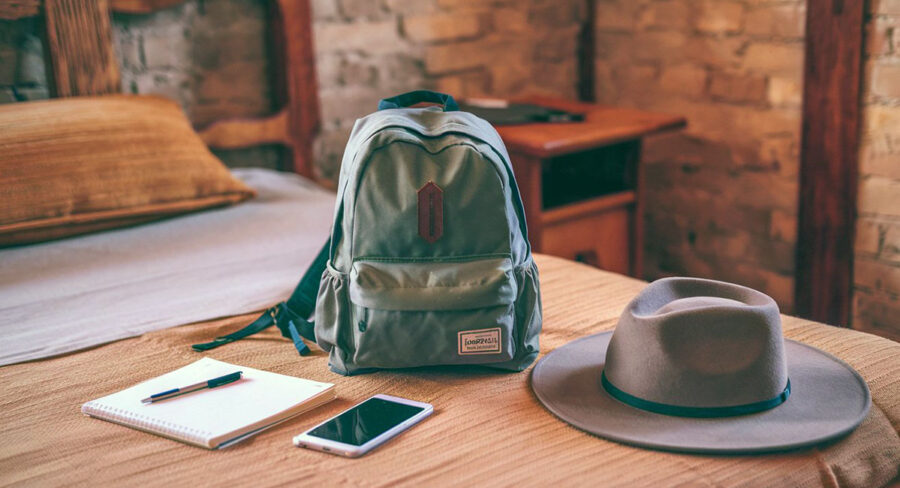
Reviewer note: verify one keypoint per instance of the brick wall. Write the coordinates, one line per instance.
(721, 195)
(876, 305)
(210, 55)
(367, 49)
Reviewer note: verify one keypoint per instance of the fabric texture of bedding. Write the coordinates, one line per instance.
(77, 165)
(487, 429)
(70, 294)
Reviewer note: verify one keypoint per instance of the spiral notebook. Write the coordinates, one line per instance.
(217, 417)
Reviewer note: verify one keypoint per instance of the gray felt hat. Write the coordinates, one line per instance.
(701, 366)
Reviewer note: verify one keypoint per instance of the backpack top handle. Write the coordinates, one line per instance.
(419, 96)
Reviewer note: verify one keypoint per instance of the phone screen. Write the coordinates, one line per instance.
(365, 421)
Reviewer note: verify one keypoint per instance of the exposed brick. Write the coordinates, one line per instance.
(876, 313)
(879, 157)
(466, 4)
(881, 120)
(369, 37)
(780, 154)
(881, 34)
(444, 27)
(787, 21)
(612, 46)
(663, 15)
(785, 92)
(619, 15)
(166, 48)
(328, 68)
(869, 235)
(324, 9)
(891, 7)
(886, 80)
(718, 16)
(772, 58)
(890, 245)
(356, 9)
(510, 20)
(878, 195)
(738, 87)
(876, 275)
(357, 71)
(410, 7)
(558, 14)
(472, 84)
(656, 45)
(558, 79)
(683, 149)
(604, 82)
(715, 52)
(345, 104)
(558, 47)
(459, 56)
(783, 226)
(634, 82)
(684, 79)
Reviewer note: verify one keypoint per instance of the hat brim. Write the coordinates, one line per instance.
(828, 400)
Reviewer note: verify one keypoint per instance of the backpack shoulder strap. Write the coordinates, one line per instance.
(290, 316)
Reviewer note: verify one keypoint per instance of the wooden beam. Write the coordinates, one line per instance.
(241, 133)
(586, 58)
(17, 9)
(295, 77)
(80, 48)
(828, 162)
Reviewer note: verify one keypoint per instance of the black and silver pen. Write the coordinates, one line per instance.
(221, 380)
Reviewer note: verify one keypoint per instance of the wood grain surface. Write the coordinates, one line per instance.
(79, 43)
(603, 125)
(829, 156)
(488, 428)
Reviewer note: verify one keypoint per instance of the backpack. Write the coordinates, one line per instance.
(428, 261)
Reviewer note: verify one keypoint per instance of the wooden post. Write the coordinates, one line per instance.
(828, 161)
(80, 48)
(586, 56)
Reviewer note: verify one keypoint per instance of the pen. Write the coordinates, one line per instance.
(221, 380)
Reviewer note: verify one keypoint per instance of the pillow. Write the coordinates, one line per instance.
(76, 165)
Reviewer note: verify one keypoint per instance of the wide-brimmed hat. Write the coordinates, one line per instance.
(701, 366)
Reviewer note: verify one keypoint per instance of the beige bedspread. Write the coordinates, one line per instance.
(487, 429)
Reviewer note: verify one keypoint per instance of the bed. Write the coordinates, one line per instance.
(487, 429)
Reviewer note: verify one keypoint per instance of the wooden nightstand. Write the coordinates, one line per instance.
(581, 182)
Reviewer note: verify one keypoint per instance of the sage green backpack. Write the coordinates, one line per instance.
(429, 261)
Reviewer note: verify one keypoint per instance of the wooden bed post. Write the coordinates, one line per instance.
(83, 62)
(828, 160)
(80, 48)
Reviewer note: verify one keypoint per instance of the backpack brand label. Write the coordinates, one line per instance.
(481, 341)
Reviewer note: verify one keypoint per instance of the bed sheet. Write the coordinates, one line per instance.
(71, 294)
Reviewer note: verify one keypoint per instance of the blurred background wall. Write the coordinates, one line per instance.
(721, 195)
(876, 304)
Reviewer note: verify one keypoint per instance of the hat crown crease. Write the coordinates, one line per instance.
(698, 343)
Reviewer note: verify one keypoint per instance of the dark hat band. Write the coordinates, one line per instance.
(697, 412)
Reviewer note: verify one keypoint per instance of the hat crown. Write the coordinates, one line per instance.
(691, 342)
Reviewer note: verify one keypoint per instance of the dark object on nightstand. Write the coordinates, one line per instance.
(581, 182)
(521, 113)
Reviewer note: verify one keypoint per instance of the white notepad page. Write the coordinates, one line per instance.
(215, 416)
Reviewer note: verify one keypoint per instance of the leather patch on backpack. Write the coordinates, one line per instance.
(431, 212)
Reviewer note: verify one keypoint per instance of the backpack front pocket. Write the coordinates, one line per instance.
(410, 313)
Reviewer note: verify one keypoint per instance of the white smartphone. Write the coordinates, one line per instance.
(365, 426)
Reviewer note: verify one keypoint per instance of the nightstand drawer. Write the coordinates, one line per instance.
(596, 232)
